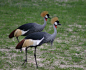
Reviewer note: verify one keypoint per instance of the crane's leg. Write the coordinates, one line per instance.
(26, 57)
(18, 41)
(35, 57)
(51, 43)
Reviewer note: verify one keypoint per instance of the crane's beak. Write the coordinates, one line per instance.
(59, 24)
(49, 17)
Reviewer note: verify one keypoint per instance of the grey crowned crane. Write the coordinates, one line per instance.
(29, 28)
(37, 39)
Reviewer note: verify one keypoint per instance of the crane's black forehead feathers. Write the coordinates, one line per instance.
(48, 15)
(57, 21)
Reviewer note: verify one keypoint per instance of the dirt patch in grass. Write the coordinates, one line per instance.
(76, 25)
(5, 50)
(67, 66)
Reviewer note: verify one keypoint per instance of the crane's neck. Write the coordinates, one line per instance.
(51, 37)
(44, 23)
(40, 27)
(55, 32)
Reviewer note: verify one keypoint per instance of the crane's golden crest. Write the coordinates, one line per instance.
(17, 33)
(54, 19)
(27, 42)
(44, 13)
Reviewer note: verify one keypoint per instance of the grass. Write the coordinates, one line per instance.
(69, 49)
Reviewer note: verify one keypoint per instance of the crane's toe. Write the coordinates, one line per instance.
(25, 61)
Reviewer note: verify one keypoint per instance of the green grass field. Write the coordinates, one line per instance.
(69, 49)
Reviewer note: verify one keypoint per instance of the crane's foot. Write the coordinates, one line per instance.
(25, 61)
(36, 66)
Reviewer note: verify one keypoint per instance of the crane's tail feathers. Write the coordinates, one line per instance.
(25, 43)
(16, 33)
(12, 34)
(19, 45)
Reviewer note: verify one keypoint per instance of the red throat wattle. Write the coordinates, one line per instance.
(46, 19)
(55, 26)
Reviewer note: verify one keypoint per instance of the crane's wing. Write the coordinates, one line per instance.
(35, 36)
(27, 26)
(43, 36)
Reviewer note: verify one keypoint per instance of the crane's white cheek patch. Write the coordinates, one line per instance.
(55, 23)
(23, 32)
(37, 42)
(46, 16)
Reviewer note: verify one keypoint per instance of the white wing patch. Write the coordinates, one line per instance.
(23, 32)
(36, 42)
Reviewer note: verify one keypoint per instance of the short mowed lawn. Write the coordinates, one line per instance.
(69, 48)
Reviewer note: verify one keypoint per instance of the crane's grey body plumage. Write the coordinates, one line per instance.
(39, 35)
(39, 38)
(32, 27)
(45, 39)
